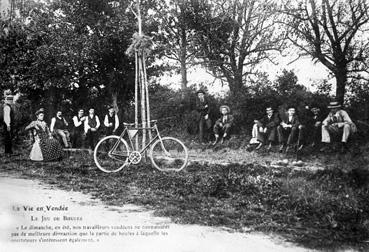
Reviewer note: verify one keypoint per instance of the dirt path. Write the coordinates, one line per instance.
(16, 192)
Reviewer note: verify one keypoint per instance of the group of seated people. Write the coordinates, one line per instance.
(292, 130)
(85, 128)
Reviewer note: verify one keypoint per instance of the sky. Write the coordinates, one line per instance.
(307, 72)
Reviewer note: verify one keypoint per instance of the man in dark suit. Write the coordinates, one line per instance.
(223, 125)
(316, 125)
(203, 109)
(265, 129)
(310, 126)
(306, 122)
(288, 129)
(92, 124)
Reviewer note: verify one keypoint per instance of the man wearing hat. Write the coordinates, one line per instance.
(111, 121)
(223, 124)
(203, 109)
(337, 122)
(8, 122)
(265, 129)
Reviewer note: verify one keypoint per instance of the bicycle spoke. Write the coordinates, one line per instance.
(170, 154)
(111, 154)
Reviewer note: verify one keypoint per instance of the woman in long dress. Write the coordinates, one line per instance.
(45, 147)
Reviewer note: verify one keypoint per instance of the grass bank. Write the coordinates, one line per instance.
(317, 209)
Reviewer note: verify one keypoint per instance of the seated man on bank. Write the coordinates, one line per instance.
(337, 122)
(59, 126)
(223, 124)
(288, 129)
(306, 122)
(316, 135)
(264, 130)
(310, 126)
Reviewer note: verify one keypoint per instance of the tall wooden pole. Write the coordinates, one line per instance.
(136, 97)
(142, 106)
(142, 78)
(143, 102)
(147, 94)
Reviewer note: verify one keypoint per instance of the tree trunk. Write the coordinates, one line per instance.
(341, 80)
(184, 76)
(235, 84)
(183, 55)
(51, 104)
(114, 97)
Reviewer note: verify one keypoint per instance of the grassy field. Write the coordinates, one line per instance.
(322, 203)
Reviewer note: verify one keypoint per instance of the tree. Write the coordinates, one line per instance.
(332, 32)
(108, 27)
(70, 50)
(33, 58)
(286, 83)
(176, 33)
(232, 37)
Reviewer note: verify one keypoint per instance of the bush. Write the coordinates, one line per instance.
(176, 110)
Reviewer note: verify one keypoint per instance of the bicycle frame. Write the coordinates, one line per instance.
(127, 128)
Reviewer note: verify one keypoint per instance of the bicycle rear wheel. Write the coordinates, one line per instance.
(111, 154)
(169, 154)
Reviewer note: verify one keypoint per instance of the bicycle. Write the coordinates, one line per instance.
(166, 153)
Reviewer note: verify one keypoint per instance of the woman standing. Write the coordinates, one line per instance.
(45, 147)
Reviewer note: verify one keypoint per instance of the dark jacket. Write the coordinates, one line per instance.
(229, 120)
(317, 118)
(202, 107)
(271, 122)
(306, 117)
(294, 122)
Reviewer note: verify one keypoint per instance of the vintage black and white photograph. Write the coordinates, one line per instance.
(184, 125)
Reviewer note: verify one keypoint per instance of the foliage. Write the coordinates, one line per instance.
(232, 37)
(249, 103)
(175, 34)
(358, 99)
(331, 32)
(69, 51)
(176, 110)
(141, 44)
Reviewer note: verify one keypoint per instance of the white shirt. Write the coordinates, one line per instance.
(7, 115)
(87, 127)
(106, 122)
(341, 116)
(76, 122)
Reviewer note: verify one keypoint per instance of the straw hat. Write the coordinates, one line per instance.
(224, 106)
(333, 105)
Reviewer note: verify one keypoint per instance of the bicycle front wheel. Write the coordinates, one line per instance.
(111, 154)
(169, 154)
